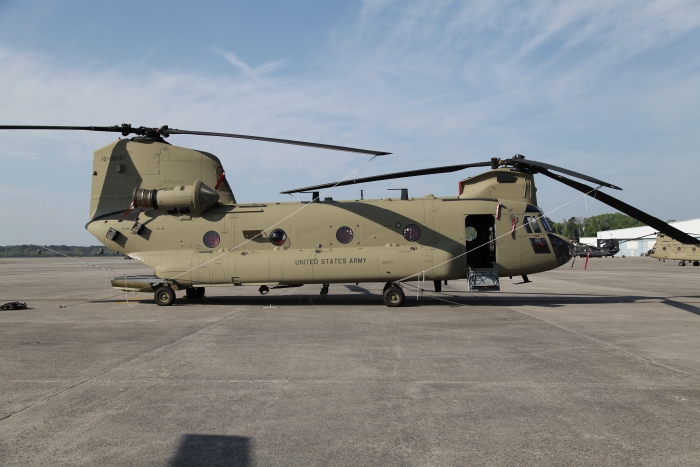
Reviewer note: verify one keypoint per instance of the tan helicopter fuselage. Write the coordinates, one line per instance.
(668, 248)
(171, 237)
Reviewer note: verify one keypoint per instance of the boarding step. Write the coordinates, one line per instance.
(483, 279)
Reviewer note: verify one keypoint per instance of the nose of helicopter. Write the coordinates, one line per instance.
(563, 248)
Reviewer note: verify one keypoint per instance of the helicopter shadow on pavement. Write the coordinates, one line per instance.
(560, 300)
(364, 297)
(201, 449)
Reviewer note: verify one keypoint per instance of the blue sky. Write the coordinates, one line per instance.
(611, 89)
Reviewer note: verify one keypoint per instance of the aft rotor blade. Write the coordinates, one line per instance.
(126, 129)
(408, 173)
(568, 172)
(53, 127)
(169, 131)
(625, 208)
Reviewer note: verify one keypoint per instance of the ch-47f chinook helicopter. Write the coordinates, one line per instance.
(668, 248)
(172, 209)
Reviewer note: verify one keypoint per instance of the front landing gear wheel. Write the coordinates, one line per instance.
(394, 296)
(164, 296)
(194, 293)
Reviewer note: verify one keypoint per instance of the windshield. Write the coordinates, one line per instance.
(546, 225)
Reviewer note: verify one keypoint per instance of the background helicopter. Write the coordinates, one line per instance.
(172, 209)
(605, 248)
(668, 248)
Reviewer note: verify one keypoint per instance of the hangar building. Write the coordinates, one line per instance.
(636, 241)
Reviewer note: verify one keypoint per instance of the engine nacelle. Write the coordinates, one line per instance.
(198, 197)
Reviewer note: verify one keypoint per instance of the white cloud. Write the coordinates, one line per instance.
(254, 73)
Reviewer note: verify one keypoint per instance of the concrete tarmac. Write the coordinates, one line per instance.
(595, 367)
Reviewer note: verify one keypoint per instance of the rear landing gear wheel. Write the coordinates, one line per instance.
(682, 263)
(324, 291)
(194, 293)
(394, 296)
(696, 263)
(164, 296)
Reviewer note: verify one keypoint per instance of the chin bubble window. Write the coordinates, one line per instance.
(211, 239)
(278, 237)
(411, 232)
(344, 235)
(540, 246)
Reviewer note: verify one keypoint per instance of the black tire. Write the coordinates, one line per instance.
(696, 263)
(682, 263)
(394, 296)
(194, 293)
(164, 296)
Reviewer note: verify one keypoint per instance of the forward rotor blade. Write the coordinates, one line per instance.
(625, 208)
(408, 173)
(169, 131)
(568, 172)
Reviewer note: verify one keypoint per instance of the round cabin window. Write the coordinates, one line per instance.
(470, 234)
(211, 239)
(278, 237)
(344, 235)
(411, 232)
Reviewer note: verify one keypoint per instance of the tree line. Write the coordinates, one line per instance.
(18, 251)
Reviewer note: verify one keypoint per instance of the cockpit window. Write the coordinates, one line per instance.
(531, 224)
(547, 227)
(531, 208)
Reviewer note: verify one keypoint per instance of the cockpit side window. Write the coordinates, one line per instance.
(531, 224)
(540, 215)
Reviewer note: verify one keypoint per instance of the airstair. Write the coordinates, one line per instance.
(484, 279)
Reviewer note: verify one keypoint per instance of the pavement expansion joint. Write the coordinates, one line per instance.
(653, 386)
(608, 344)
(45, 399)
